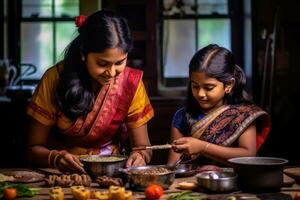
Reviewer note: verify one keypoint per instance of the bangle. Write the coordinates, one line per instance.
(49, 158)
(57, 156)
(206, 147)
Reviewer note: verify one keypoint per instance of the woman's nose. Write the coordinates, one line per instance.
(112, 71)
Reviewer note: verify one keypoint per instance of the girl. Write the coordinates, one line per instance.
(87, 102)
(218, 121)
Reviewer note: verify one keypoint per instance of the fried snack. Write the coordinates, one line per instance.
(100, 195)
(68, 180)
(116, 193)
(56, 193)
(105, 181)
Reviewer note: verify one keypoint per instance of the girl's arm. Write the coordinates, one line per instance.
(39, 154)
(193, 146)
(173, 156)
(139, 137)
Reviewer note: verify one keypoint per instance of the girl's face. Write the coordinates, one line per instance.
(105, 66)
(209, 92)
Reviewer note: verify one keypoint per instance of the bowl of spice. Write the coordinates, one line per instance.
(100, 165)
(142, 176)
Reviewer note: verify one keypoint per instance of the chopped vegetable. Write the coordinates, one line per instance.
(101, 195)
(10, 193)
(190, 195)
(154, 191)
(21, 189)
(297, 196)
(116, 192)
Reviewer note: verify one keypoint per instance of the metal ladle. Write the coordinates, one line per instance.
(182, 160)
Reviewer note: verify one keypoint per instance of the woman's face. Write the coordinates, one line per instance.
(105, 66)
(209, 92)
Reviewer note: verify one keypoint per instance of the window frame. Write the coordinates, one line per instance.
(235, 15)
(16, 19)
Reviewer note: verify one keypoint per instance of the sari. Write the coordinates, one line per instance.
(226, 124)
(122, 104)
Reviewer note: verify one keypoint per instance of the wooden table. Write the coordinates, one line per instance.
(43, 193)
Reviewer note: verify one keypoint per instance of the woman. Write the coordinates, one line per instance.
(219, 121)
(89, 102)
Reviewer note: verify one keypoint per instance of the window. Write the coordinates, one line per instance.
(47, 26)
(188, 25)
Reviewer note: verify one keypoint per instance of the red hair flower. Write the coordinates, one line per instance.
(79, 20)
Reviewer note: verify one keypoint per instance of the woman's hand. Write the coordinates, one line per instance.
(188, 145)
(68, 163)
(136, 158)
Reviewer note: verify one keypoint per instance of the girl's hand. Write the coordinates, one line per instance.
(136, 158)
(69, 163)
(187, 145)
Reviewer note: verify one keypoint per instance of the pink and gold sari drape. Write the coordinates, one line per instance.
(109, 112)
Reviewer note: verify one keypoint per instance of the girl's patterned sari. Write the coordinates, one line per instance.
(224, 125)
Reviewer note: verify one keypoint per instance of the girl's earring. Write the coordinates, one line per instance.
(82, 58)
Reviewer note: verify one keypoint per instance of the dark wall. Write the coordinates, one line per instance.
(282, 94)
(159, 127)
(14, 123)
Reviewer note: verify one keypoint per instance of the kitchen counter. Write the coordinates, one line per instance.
(290, 190)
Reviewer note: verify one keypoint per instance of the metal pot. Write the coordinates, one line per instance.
(140, 177)
(98, 165)
(259, 174)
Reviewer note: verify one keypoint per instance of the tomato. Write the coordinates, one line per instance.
(10, 193)
(297, 196)
(154, 191)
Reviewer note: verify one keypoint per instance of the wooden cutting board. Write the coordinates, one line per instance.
(293, 172)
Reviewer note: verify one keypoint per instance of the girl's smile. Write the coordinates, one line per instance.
(209, 92)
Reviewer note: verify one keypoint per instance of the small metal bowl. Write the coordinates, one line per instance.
(98, 165)
(215, 181)
(140, 177)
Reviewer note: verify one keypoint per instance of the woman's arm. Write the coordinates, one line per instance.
(37, 138)
(193, 146)
(173, 156)
(37, 152)
(139, 137)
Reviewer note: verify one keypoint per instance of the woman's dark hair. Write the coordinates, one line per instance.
(219, 63)
(100, 31)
